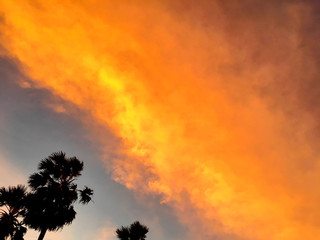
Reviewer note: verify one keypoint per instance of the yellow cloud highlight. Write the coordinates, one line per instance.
(195, 126)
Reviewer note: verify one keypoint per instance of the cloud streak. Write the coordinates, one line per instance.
(215, 103)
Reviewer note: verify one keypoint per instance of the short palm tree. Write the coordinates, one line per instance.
(49, 206)
(136, 231)
(12, 210)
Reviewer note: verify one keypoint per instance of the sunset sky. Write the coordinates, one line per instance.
(199, 118)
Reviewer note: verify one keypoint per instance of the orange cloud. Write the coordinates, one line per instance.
(199, 110)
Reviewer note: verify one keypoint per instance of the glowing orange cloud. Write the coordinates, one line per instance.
(194, 106)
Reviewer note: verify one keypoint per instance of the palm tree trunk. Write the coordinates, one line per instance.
(42, 233)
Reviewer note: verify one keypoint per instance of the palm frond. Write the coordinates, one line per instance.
(58, 158)
(76, 166)
(37, 180)
(46, 165)
(85, 195)
(123, 233)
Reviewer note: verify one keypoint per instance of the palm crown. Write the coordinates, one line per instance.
(136, 231)
(12, 208)
(50, 203)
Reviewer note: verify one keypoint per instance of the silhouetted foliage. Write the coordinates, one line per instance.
(12, 203)
(49, 206)
(136, 231)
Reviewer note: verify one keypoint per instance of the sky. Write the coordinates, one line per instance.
(199, 118)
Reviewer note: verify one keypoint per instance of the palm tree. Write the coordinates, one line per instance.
(136, 231)
(49, 207)
(12, 209)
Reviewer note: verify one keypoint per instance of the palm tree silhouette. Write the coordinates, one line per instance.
(136, 231)
(49, 206)
(12, 209)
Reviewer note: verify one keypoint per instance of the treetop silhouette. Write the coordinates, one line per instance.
(49, 206)
(135, 231)
(12, 208)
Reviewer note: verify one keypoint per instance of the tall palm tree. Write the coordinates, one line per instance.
(11, 211)
(49, 207)
(136, 231)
